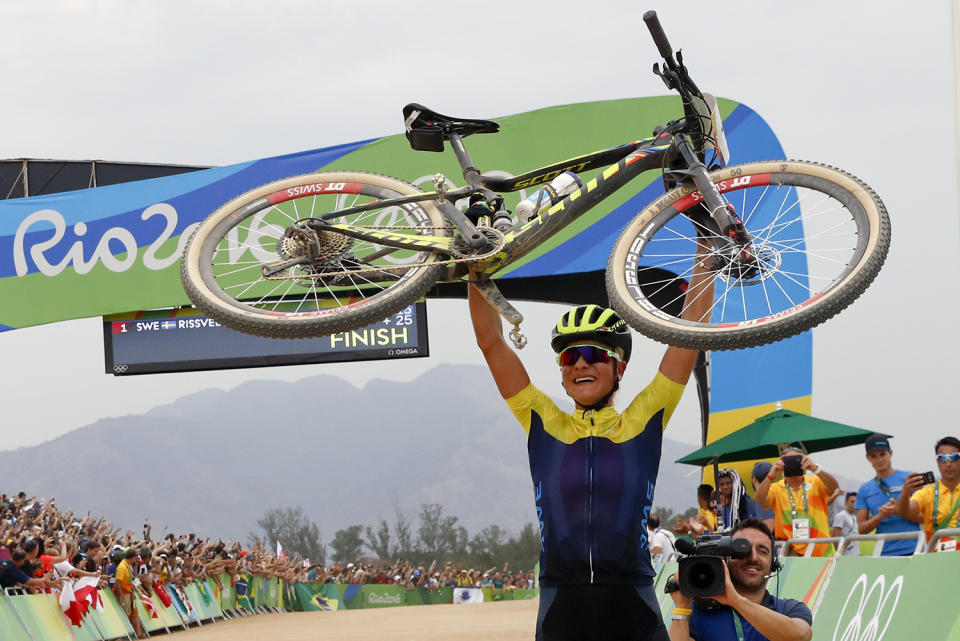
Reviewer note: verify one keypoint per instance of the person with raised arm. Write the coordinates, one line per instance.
(594, 470)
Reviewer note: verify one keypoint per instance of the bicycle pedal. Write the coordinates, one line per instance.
(517, 337)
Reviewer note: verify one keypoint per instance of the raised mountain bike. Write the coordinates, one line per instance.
(787, 244)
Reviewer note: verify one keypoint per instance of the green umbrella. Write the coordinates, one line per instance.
(763, 438)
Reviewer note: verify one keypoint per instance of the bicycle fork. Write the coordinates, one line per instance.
(731, 227)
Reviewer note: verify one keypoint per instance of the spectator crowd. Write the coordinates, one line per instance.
(43, 547)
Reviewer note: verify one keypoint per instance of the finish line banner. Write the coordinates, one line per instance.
(182, 340)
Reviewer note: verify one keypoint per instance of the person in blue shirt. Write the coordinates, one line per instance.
(747, 612)
(877, 499)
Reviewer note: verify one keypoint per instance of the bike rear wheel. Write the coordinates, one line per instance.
(353, 283)
(820, 236)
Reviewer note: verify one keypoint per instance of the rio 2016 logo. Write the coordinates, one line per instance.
(852, 624)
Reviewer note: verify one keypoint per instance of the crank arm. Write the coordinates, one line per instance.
(488, 289)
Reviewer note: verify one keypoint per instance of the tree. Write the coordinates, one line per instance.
(439, 536)
(522, 551)
(347, 544)
(379, 541)
(402, 531)
(486, 547)
(298, 535)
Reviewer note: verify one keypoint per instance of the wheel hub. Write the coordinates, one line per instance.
(751, 267)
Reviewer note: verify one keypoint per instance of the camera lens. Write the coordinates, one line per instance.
(701, 575)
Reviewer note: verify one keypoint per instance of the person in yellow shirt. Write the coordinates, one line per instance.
(705, 522)
(799, 502)
(937, 505)
(123, 589)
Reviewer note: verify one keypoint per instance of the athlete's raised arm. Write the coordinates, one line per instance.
(508, 372)
(678, 362)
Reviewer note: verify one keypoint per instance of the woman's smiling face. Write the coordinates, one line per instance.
(587, 383)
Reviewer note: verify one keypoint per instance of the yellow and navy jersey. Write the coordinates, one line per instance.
(594, 474)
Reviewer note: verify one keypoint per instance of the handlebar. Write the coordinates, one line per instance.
(659, 37)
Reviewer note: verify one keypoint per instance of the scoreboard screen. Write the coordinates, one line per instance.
(182, 340)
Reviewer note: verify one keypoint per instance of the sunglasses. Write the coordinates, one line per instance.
(590, 353)
(952, 457)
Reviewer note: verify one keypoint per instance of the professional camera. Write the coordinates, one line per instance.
(701, 571)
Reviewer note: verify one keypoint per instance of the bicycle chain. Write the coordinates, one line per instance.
(494, 235)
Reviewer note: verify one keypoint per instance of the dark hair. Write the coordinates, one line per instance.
(849, 494)
(704, 491)
(947, 440)
(654, 521)
(31, 545)
(18, 555)
(755, 524)
(130, 553)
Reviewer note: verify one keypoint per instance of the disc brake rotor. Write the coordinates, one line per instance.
(762, 264)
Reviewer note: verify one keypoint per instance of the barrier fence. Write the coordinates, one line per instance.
(36, 617)
(853, 598)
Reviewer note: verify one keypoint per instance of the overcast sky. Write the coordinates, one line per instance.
(866, 86)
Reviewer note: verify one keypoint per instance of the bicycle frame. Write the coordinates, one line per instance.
(630, 160)
(669, 152)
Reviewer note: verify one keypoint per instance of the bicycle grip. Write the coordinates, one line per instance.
(659, 38)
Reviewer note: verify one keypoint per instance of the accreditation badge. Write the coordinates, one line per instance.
(801, 529)
(946, 545)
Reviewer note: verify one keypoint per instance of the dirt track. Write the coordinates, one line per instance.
(503, 621)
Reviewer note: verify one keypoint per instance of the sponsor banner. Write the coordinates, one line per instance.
(419, 596)
(352, 596)
(890, 599)
(113, 249)
(149, 623)
(383, 596)
(102, 250)
(11, 627)
(115, 622)
(228, 595)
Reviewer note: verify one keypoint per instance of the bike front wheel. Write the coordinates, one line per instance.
(819, 238)
(349, 283)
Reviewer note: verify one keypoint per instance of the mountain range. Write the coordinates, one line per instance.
(214, 461)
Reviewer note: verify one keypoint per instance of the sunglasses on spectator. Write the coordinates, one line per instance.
(952, 457)
(590, 353)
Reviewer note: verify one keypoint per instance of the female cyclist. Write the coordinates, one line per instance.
(594, 470)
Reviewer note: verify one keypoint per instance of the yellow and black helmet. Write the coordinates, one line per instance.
(592, 323)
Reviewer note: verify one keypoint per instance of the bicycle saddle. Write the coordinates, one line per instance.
(426, 129)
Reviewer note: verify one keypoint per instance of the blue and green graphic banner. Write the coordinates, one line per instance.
(116, 249)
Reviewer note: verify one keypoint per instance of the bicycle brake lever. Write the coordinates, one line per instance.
(664, 75)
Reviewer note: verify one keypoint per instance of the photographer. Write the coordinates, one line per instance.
(937, 505)
(799, 502)
(746, 611)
